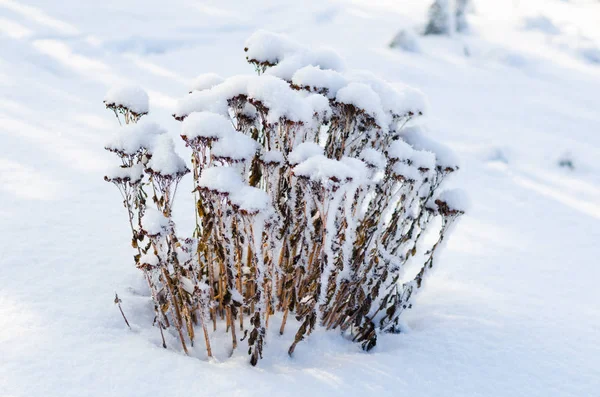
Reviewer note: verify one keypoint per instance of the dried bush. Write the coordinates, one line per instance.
(313, 191)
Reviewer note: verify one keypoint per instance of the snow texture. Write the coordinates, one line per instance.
(363, 97)
(281, 100)
(265, 46)
(304, 151)
(132, 174)
(235, 146)
(273, 157)
(393, 101)
(445, 156)
(322, 169)
(132, 138)
(327, 82)
(251, 199)
(165, 161)
(131, 97)
(155, 223)
(406, 40)
(206, 125)
(456, 199)
(205, 81)
(223, 180)
(373, 158)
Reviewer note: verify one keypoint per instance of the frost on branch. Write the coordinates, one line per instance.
(314, 186)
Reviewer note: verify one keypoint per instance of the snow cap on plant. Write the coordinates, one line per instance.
(313, 187)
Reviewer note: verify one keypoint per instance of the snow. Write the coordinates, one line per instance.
(286, 55)
(322, 169)
(511, 308)
(457, 199)
(363, 97)
(406, 171)
(323, 58)
(273, 157)
(132, 138)
(149, 259)
(423, 159)
(304, 151)
(324, 81)
(281, 100)
(155, 223)
(213, 99)
(223, 180)
(406, 40)
(400, 150)
(131, 97)
(373, 158)
(200, 101)
(250, 199)
(320, 107)
(206, 125)
(132, 174)
(270, 47)
(418, 139)
(235, 146)
(205, 81)
(165, 161)
(397, 101)
(360, 173)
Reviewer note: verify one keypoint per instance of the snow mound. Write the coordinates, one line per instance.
(250, 199)
(304, 151)
(322, 169)
(165, 161)
(131, 97)
(326, 82)
(363, 97)
(155, 223)
(224, 180)
(206, 126)
(205, 81)
(132, 138)
(235, 147)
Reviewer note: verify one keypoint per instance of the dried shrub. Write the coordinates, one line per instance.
(313, 189)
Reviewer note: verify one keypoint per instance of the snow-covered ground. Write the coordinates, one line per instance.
(513, 310)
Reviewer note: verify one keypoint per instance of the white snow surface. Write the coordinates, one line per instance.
(511, 308)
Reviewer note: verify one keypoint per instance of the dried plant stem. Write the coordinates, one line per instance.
(118, 302)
